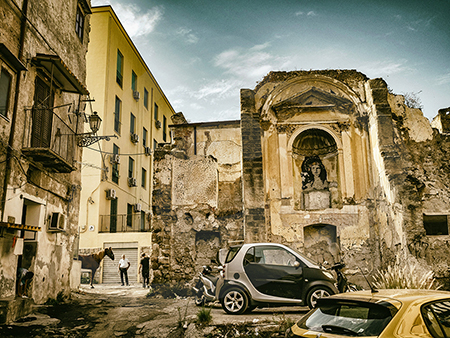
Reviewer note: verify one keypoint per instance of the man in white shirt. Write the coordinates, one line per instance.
(124, 265)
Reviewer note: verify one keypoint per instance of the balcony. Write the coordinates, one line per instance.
(136, 222)
(49, 140)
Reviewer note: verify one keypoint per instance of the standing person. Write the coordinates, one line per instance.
(145, 268)
(124, 265)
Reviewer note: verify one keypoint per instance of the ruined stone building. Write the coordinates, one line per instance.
(328, 162)
(116, 175)
(43, 46)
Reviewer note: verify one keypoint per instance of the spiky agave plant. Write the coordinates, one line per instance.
(404, 277)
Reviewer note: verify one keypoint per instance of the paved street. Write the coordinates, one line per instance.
(116, 311)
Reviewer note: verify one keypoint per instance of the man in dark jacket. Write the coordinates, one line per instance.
(145, 268)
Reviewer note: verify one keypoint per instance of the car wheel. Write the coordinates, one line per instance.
(315, 293)
(234, 301)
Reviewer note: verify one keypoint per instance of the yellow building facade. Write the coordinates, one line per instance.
(117, 174)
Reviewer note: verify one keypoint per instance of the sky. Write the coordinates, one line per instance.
(202, 52)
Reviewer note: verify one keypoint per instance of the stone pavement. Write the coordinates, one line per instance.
(121, 311)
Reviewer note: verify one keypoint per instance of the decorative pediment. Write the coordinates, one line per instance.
(313, 99)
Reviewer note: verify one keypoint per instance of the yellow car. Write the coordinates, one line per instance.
(384, 313)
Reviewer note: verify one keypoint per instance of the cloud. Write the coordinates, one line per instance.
(250, 64)
(134, 19)
(444, 79)
(386, 67)
(219, 89)
(310, 13)
(187, 35)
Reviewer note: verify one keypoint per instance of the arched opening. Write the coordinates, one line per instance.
(315, 155)
(320, 243)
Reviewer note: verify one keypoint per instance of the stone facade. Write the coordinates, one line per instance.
(333, 165)
(43, 46)
(197, 197)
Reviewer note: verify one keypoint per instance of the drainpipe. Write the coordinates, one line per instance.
(9, 157)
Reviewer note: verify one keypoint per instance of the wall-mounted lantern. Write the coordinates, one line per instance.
(86, 139)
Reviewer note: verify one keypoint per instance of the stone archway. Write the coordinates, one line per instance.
(320, 243)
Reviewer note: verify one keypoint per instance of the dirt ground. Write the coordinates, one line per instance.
(118, 311)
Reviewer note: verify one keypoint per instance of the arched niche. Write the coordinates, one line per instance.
(315, 153)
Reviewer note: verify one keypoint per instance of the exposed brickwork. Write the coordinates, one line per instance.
(252, 169)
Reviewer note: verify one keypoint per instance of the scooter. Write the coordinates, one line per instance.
(205, 287)
(342, 283)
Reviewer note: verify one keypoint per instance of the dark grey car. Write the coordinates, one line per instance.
(270, 274)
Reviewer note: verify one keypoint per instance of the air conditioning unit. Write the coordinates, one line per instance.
(134, 138)
(57, 221)
(148, 151)
(136, 95)
(132, 182)
(111, 194)
(137, 207)
(115, 159)
(158, 124)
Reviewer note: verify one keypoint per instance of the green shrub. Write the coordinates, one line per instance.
(204, 316)
(404, 277)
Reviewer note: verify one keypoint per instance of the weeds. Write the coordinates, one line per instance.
(404, 277)
(182, 316)
(283, 323)
(204, 316)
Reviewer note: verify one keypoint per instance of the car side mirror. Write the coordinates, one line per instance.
(296, 264)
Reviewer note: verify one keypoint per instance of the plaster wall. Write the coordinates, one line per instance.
(33, 190)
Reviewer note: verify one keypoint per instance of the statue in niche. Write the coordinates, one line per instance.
(314, 175)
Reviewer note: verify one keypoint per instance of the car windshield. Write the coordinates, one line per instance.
(348, 318)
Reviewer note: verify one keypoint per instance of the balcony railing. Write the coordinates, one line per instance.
(136, 222)
(49, 140)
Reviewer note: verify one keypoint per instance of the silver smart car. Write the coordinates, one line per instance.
(270, 274)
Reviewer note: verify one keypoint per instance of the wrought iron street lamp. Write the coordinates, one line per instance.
(86, 139)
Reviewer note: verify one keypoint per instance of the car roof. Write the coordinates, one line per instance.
(394, 296)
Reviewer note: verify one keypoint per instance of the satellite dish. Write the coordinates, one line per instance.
(91, 228)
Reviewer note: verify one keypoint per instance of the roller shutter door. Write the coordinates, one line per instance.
(111, 273)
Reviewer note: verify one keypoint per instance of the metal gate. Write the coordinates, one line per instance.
(111, 267)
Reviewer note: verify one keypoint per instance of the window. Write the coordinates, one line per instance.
(5, 86)
(113, 216)
(270, 256)
(79, 23)
(155, 144)
(142, 220)
(436, 317)
(133, 81)
(132, 123)
(130, 167)
(164, 128)
(129, 215)
(144, 178)
(145, 98)
(115, 166)
(144, 137)
(435, 225)
(119, 75)
(117, 115)
(42, 115)
(155, 112)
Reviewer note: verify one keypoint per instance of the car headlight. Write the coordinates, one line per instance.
(328, 274)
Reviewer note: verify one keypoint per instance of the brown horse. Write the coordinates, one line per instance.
(92, 262)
